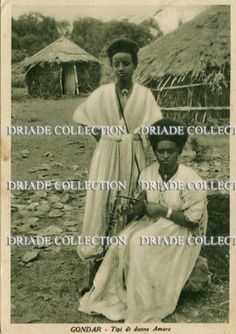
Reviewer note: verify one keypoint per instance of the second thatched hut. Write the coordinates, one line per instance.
(61, 68)
(189, 69)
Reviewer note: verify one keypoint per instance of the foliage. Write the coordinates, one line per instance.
(63, 27)
(88, 34)
(107, 73)
(217, 82)
(198, 149)
(17, 76)
(152, 25)
(139, 33)
(94, 35)
(31, 32)
(19, 94)
(18, 55)
(44, 80)
(89, 75)
(18, 83)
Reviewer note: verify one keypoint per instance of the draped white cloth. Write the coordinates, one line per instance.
(142, 283)
(113, 159)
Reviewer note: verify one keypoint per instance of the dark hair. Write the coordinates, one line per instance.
(165, 125)
(123, 45)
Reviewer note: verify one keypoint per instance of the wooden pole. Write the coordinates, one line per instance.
(76, 80)
(60, 78)
(187, 108)
(181, 87)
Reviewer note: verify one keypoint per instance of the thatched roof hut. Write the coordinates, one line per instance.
(61, 68)
(189, 69)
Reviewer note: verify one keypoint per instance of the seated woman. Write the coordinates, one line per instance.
(142, 283)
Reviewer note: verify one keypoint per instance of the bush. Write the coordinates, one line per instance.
(18, 83)
(17, 55)
(18, 77)
(19, 94)
(198, 149)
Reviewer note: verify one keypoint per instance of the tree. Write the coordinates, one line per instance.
(94, 35)
(153, 26)
(31, 32)
(63, 28)
(116, 29)
(88, 33)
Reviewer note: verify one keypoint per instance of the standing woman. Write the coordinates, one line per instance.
(126, 104)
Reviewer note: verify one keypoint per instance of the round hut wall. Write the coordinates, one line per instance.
(58, 79)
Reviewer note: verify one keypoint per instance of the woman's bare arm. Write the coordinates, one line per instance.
(156, 210)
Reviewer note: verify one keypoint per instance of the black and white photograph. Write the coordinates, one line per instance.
(117, 155)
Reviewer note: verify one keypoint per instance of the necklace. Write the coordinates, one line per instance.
(125, 92)
(166, 176)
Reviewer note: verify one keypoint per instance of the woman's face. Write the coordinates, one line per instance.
(167, 154)
(123, 66)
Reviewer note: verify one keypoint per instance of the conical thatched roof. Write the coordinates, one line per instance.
(62, 50)
(190, 50)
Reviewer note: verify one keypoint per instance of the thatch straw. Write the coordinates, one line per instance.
(190, 50)
(60, 51)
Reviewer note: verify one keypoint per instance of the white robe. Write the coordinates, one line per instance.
(113, 159)
(142, 283)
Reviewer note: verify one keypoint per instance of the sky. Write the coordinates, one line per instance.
(168, 18)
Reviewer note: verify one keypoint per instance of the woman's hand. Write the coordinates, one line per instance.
(138, 210)
(98, 135)
(124, 209)
(156, 210)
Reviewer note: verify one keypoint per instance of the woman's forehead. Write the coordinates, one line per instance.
(166, 144)
(121, 56)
